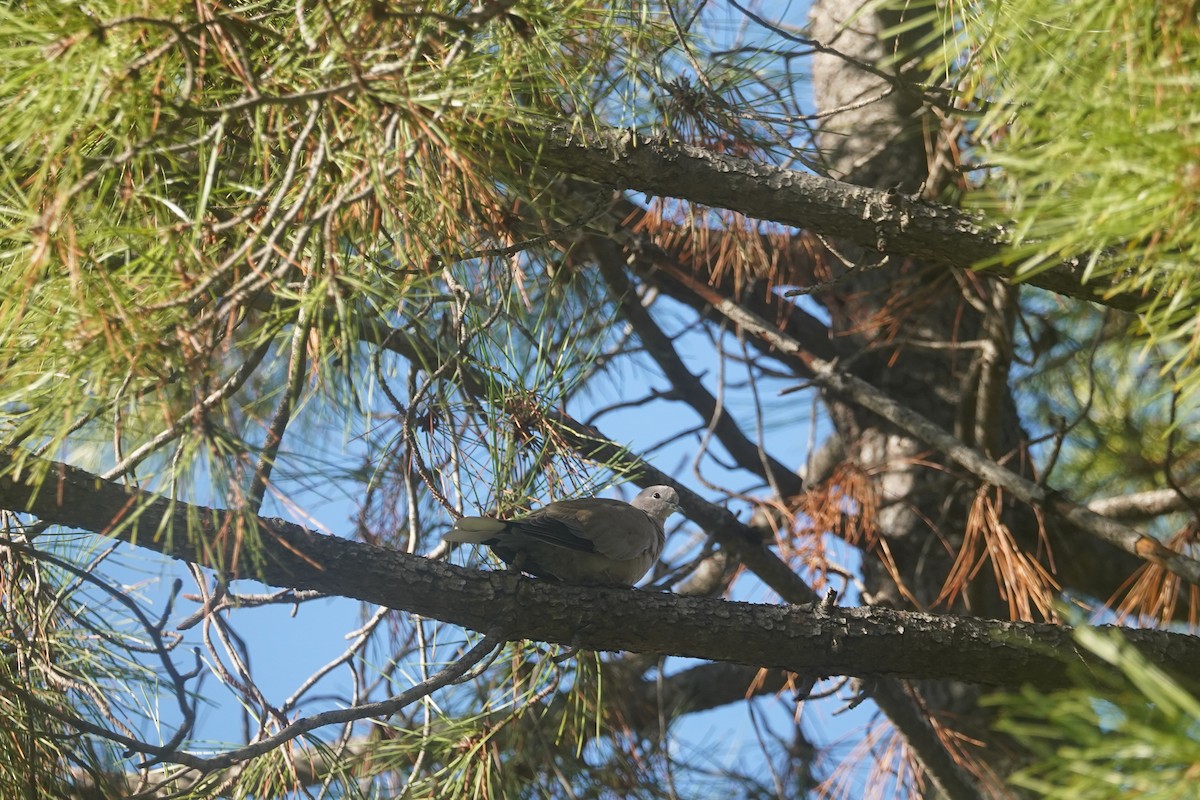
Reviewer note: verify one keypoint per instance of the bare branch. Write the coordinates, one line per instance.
(660, 347)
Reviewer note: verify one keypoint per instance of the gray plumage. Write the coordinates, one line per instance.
(592, 540)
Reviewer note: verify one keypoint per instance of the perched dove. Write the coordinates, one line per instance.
(593, 540)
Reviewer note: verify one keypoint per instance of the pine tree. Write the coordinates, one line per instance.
(907, 286)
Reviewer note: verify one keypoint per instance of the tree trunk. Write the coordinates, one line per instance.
(898, 326)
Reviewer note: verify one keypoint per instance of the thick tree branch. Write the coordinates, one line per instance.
(885, 221)
(805, 638)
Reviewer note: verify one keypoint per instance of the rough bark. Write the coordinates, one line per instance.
(875, 136)
(812, 638)
(884, 218)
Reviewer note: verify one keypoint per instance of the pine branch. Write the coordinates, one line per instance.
(809, 638)
(885, 221)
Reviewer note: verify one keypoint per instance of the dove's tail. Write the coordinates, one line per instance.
(475, 530)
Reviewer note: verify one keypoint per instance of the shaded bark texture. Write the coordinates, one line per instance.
(938, 342)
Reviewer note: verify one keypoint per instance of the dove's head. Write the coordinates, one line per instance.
(659, 502)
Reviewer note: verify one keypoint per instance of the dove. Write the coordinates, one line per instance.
(591, 540)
